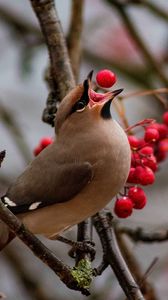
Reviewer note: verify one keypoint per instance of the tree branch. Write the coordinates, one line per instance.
(59, 61)
(152, 8)
(59, 75)
(139, 234)
(83, 236)
(39, 249)
(146, 287)
(114, 258)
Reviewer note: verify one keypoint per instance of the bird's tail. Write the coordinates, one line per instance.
(5, 234)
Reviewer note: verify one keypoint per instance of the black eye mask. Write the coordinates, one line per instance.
(84, 99)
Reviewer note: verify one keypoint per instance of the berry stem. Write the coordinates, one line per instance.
(148, 93)
(140, 123)
(119, 107)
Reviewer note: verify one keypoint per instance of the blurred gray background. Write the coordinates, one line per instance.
(23, 92)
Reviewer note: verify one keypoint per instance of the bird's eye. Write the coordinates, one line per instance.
(80, 106)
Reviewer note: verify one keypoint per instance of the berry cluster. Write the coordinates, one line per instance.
(147, 153)
(44, 142)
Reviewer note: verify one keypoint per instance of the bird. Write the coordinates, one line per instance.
(79, 173)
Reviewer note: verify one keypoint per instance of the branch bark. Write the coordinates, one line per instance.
(83, 236)
(39, 249)
(114, 258)
(135, 269)
(61, 71)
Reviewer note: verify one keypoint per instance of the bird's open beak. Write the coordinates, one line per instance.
(116, 93)
(105, 104)
(92, 98)
(100, 99)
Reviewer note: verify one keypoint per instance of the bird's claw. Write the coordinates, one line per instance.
(84, 246)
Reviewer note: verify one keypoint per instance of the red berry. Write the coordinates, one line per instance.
(163, 131)
(150, 162)
(138, 197)
(163, 145)
(161, 128)
(147, 150)
(144, 175)
(160, 156)
(106, 78)
(133, 141)
(37, 150)
(165, 117)
(135, 159)
(141, 143)
(46, 141)
(153, 125)
(131, 177)
(123, 207)
(151, 135)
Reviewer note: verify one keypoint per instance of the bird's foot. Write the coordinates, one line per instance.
(85, 247)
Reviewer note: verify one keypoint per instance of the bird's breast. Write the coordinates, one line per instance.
(107, 149)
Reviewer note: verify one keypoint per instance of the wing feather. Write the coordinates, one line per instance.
(47, 182)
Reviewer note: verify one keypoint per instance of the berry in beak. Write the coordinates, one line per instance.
(95, 98)
(99, 98)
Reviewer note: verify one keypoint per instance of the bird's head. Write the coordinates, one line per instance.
(82, 102)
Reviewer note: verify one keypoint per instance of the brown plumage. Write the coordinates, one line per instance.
(79, 173)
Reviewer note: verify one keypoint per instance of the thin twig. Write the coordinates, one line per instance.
(74, 35)
(114, 257)
(119, 107)
(156, 9)
(147, 93)
(102, 267)
(143, 122)
(159, 12)
(39, 249)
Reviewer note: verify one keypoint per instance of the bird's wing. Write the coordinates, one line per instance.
(51, 184)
